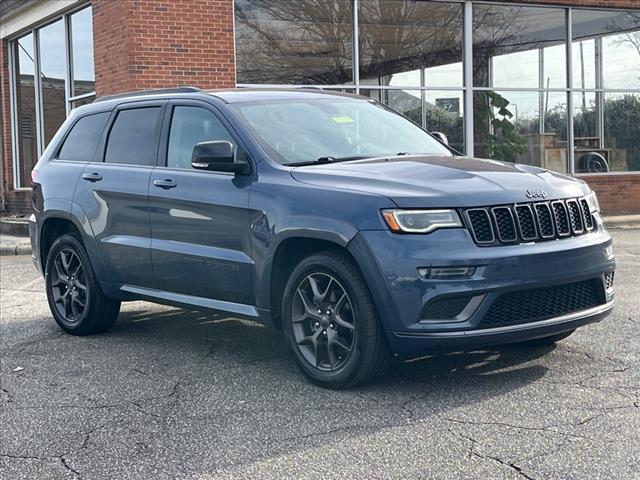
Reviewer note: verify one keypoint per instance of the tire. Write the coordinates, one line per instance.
(353, 323)
(549, 340)
(75, 298)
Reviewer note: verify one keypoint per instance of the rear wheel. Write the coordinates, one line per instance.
(549, 340)
(76, 301)
(331, 324)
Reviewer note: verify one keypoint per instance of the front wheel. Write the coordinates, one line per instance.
(331, 324)
(75, 298)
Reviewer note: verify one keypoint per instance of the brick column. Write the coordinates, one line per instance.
(141, 44)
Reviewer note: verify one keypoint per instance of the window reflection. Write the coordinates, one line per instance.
(304, 42)
(53, 66)
(435, 111)
(25, 107)
(401, 38)
(519, 46)
(508, 126)
(609, 41)
(82, 50)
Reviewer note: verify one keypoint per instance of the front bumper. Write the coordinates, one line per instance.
(390, 264)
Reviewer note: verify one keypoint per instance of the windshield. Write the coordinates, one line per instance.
(298, 131)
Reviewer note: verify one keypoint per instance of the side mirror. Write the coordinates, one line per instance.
(441, 137)
(217, 157)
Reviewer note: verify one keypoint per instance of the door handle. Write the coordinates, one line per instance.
(166, 183)
(92, 177)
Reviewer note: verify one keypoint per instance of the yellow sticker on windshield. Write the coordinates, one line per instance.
(342, 119)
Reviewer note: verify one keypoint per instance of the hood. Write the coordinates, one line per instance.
(431, 181)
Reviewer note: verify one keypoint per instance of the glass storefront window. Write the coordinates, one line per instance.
(508, 126)
(84, 80)
(606, 66)
(607, 42)
(410, 43)
(53, 66)
(305, 42)
(25, 121)
(520, 47)
(47, 87)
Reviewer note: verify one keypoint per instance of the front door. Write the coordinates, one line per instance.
(113, 192)
(200, 222)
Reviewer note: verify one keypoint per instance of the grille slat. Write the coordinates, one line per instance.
(505, 224)
(561, 217)
(529, 222)
(575, 217)
(608, 279)
(481, 228)
(540, 304)
(526, 222)
(545, 220)
(586, 214)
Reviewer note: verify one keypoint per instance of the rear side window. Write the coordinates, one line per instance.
(80, 145)
(132, 140)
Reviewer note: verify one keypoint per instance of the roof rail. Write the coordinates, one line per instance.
(153, 91)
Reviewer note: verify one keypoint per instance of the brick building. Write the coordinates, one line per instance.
(552, 83)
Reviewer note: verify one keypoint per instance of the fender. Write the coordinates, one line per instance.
(58, 208)
(267, 241)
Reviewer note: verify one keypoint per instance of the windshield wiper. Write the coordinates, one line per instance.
(325, 160)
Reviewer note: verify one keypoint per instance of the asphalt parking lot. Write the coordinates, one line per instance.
(170, 394)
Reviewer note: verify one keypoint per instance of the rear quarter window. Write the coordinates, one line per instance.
(82, 141)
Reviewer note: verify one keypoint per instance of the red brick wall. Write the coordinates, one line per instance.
(617, 193)
(143, 44)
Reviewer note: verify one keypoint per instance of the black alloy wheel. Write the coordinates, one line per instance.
(69, 286)
(323, 321)
(331, 323)
(76, 301)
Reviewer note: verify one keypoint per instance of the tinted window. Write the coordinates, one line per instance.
(83, 138)
(133, 137)
(190, 126)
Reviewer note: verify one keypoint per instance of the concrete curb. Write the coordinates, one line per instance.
(622, 222)
(22, 249)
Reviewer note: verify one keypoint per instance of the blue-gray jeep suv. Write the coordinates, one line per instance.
(328, 216)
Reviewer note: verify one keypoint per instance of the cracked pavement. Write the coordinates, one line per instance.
(169, 393)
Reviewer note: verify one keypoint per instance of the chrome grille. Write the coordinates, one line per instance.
(529, 222)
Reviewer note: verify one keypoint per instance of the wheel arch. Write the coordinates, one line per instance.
(290, 251)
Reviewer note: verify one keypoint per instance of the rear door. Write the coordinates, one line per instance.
(200, 221)
(114, 191)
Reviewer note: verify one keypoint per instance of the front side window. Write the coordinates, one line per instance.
(132, 139)
(304, 130)
(81, 143)
(190, 126)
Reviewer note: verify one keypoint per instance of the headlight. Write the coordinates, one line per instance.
(420, 221)
(592, 201)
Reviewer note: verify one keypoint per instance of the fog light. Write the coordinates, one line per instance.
(445, 273)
